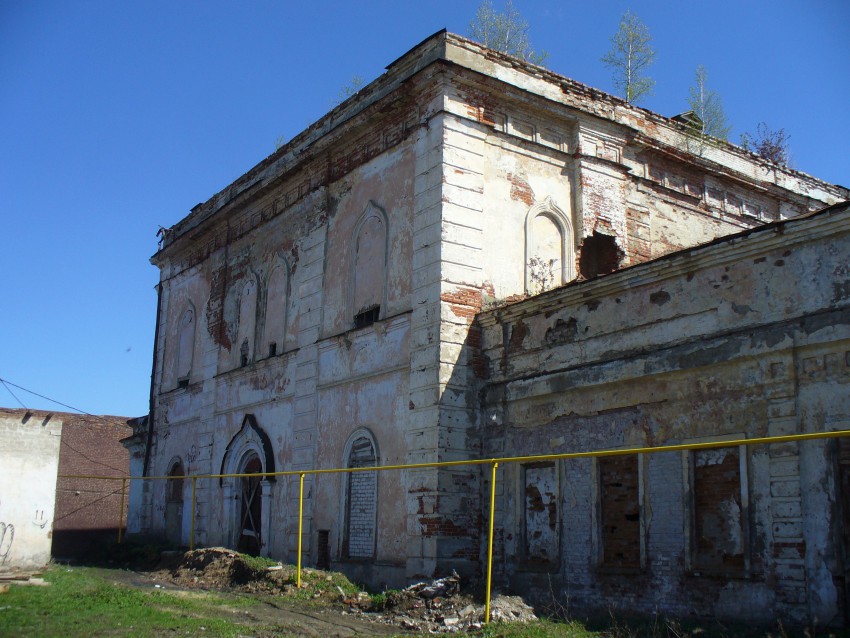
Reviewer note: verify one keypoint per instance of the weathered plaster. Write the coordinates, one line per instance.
(408, 210)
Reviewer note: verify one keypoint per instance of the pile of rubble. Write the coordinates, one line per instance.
(437, 607)
(19, 577)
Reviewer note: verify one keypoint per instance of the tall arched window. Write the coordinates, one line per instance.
(247, 320)
(276, 303)
(369, 267)
(549, 253)
(361, 497)
(185, 346)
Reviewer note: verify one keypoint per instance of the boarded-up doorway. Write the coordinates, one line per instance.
(251, 507)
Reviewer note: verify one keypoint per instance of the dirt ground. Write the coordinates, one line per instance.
(327, 604)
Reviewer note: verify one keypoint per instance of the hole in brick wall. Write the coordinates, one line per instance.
(367, 317)
(599, 255)
(183, 383)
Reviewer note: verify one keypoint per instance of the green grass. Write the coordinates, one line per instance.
(538, 629)
(321, 587)
(78, 602)
(84, 602)
(258, 563)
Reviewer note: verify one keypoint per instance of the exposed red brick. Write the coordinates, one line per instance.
(520, 189)
(441, 526)
(620, 511)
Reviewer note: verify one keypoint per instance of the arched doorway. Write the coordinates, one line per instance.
(174, 504)
(250, 506)
(248, 498)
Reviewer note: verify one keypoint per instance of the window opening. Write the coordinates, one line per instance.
(243, 354)
(540, 522)
(719, 533)
(272, 349)
(367, 317)
(619, 511)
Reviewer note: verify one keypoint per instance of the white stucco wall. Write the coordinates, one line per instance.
(29, 462)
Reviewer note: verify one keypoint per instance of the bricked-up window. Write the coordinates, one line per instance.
(361, 498)
(185, 345)
(718, 510)
(541, 529)
(619, 512)
(369, 272)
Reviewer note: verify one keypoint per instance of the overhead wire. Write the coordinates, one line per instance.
(64, 441)
(5, 385)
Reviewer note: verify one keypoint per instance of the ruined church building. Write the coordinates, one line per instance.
(475, 257)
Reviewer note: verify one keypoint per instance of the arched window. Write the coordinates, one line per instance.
(247, 321)
(185, 346)
(361, 497)
(369, 267)
(548, 248)
(276, 302)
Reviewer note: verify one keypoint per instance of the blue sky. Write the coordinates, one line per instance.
(118, 117)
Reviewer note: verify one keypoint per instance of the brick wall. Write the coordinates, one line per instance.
(361, 507)
(87, 510)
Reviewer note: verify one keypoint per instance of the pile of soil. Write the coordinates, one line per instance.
(438, 606)
(215, 568)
